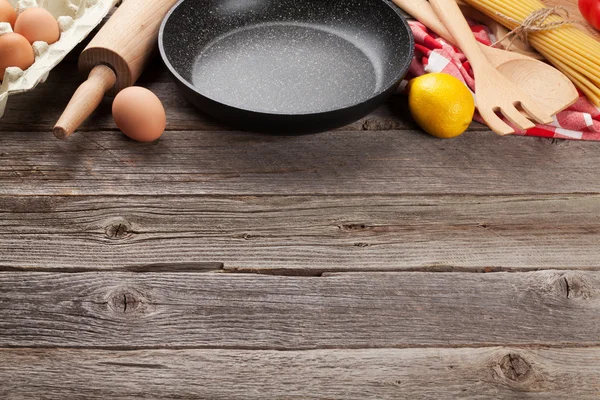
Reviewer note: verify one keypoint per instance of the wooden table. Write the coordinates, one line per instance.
(369, 262)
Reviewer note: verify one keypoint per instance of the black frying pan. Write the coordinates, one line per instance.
(286, 65)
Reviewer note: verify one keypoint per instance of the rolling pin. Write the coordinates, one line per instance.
(115, 58)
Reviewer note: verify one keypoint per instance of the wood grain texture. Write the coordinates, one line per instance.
(361, 310)
(468, 373)
(300, 234)
(238, 163)
(160, 230)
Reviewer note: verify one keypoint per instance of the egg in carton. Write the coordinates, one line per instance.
(76, 19)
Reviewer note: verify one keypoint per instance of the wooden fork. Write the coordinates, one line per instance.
(494, 92)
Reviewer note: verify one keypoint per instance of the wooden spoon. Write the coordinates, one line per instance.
(539, 80)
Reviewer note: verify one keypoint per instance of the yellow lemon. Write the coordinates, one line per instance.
(441, 104)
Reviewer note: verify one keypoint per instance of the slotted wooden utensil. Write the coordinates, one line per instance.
(495, 92)
(539, 80)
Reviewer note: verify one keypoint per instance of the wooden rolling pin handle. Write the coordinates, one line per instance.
(85, 100)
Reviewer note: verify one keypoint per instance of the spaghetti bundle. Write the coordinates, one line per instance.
(569, 49)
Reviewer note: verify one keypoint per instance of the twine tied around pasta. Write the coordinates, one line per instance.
(535, 22)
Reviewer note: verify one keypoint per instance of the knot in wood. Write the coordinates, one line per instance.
(515, 368)
(127, 300)
(378, 124)
(118, 230)
(514, 371)
(578, 285)
(353, 227)
(245, 236)
(554, 142)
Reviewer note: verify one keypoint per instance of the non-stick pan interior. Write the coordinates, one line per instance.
(287, 56)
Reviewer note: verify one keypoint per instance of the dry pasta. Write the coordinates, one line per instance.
(571, 50)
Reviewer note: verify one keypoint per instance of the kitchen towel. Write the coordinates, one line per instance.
(581, 121)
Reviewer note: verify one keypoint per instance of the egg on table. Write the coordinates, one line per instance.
(139, 114)
(37, 24)
(7, 13)
(15, 51)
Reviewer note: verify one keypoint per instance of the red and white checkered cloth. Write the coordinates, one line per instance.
(581, 121)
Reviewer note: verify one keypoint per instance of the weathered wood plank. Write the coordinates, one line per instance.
(374, 310)
(38, 110)
(303, 234)
(201, 162)
(467, 373)
(390, 162)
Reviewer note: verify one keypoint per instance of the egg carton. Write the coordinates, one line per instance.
(76, 19)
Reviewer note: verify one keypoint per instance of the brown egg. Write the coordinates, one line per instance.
(7, 13)
(37, 24)
(139, 114)
(15, 51)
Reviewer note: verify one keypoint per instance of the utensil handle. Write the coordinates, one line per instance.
(451, 16)
(85, 100)
(127, 41)
(424, 13)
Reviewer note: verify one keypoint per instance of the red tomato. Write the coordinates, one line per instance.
(590, 9)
